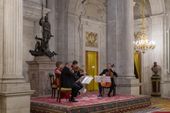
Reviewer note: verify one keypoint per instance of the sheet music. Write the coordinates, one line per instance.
(97, 79)
(85, 79)
(100, 79)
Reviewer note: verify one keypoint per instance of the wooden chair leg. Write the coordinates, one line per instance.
(52, 93)
(58, 96)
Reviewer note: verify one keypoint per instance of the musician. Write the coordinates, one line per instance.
(68, 80)
(58, 69)
(77, 74)
(75, 69)
(109, 72)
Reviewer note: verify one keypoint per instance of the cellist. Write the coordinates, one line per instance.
(108, 72)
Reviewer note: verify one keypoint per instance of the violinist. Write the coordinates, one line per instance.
(68, 80)
(77, 75)
(108, 72)
(75, 70)
(58, 69)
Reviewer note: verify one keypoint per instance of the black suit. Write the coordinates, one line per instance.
(68, 80)
(113, 85)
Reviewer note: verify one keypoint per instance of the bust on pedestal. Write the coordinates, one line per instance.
(156, 80)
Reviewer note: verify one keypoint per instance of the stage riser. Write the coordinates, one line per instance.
(115, 107)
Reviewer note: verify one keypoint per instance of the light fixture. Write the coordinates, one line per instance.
(141, 42)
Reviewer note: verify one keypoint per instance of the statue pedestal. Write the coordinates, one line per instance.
(156, 85)
(38, 72)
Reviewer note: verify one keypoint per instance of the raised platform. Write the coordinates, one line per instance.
(90, 103)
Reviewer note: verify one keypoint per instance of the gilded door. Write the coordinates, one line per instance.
(92, 68)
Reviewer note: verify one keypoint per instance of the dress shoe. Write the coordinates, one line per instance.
(99, 95)
(108, 95)
(72, 100)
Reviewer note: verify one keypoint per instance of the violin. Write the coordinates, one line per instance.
(76, 69)
(107, 84)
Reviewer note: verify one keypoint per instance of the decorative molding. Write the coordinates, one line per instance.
(91, 39)
(6, 94)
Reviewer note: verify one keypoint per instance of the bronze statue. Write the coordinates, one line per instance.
(42, 44)
(156, 69)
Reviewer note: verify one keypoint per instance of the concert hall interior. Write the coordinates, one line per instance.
(84, 56)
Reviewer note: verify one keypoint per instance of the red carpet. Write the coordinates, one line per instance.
(89, 99)
(89, 103)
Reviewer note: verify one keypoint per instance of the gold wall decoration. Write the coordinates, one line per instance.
(91, 39)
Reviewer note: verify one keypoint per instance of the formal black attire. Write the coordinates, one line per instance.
(113, 85)
(68, 80)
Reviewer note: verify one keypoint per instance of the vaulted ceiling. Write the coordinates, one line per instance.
(94, 9)
(99, 4)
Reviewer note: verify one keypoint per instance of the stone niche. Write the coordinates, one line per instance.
(38, 74)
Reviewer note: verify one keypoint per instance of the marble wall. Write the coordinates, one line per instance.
(1, 37)
(111, 32)
(73, 19)
(69, 22)
(31, 28)
(87, 17)
(157, 30)
(166, 82)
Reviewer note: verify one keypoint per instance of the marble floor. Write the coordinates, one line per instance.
(158, 105)
(161, 103)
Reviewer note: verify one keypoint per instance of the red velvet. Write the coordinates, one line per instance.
(65, 94)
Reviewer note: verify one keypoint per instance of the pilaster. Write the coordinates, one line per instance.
(14, 91)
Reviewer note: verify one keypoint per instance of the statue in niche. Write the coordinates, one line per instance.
(156, 69)
(42, 44)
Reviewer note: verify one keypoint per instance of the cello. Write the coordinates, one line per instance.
(107, 84)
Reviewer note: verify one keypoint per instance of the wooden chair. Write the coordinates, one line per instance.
(61, 92)
(53, 86)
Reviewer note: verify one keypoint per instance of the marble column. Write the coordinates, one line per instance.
(127, 83)
(123, 36)
(14, 91)
(62, 29)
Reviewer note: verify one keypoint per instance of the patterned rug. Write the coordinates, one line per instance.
(90, 103)
(85, 100)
